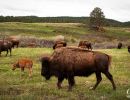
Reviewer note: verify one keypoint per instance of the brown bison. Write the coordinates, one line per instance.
(70, 62)
(24, 63)
(128, 49)
(85, 44)
(15, 41)
(119, 45)
(59, 44)
(5, 46)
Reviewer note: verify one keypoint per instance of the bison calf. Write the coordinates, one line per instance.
(70, 62)
(24, 63)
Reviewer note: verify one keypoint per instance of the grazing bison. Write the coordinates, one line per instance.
(129, 49)
(5, 46)
(119, 45)
(70, 62)
(24, 63)
(14, 40)
(85, 44)
(59, 44)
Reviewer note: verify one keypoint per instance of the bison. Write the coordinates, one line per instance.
(24, 63)
(5, 46)
(70, 62)
(59, 44)
(128, 49)
(119, 45)
(15, 41)
(85, 44)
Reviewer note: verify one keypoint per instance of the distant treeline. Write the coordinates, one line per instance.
(35, 19)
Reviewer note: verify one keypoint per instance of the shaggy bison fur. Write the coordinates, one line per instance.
(59, 44)
(70, 62)
(85, 44)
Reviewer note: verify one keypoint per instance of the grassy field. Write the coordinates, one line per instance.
(13, 86)
(71, 31)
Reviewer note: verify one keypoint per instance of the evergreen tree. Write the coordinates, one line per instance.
(97, 18)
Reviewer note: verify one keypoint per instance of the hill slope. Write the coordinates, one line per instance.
(63, 19)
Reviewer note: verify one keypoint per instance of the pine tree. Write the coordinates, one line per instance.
(96, 18)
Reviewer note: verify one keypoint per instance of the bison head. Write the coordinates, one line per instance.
(15, 65)
(45, 71)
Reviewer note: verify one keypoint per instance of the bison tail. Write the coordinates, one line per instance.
(109, 60)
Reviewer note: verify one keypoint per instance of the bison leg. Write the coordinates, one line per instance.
(22, 69)
(99, 78)
(12, 45)
(30, 72)
(17, 45)
(7, 52)
(71, 82)
(60, 79)
(109, 76)
(10, 51)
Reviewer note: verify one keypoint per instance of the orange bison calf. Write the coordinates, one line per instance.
(70, 62)
(24, 63)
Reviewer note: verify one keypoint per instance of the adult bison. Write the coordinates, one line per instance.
(59, 44)
(69, 62)
(85, 44)
(119, 45)
(128, 49)
(5, 46)
(14, 40)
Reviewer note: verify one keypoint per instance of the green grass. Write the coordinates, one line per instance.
(70, 30)
(12, 86)
(42, 30)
